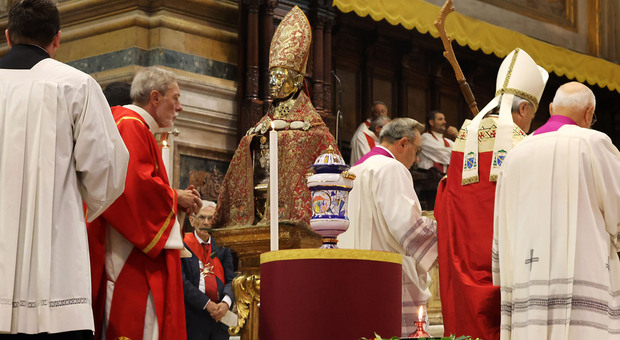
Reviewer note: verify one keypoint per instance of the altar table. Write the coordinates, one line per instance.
(329, 294)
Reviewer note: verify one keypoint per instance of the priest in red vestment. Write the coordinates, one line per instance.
(302, 137)
(464, 206)
(134, 245)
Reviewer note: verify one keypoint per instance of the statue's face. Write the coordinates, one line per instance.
(283, 82)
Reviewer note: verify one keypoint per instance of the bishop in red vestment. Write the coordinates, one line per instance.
(464, 206)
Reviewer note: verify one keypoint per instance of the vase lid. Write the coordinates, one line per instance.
(329, 161)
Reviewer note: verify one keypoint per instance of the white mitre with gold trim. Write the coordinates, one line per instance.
(518, 75)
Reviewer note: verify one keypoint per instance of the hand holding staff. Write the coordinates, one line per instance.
(446, 9)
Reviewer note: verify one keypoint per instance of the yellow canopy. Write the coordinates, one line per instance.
(489, 38)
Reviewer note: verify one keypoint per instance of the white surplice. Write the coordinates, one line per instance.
(359, 142)
(434, 150)
(556, 228)
(58, 146)
(385, 214)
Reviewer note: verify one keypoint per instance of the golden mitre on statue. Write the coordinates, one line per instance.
(290, 45)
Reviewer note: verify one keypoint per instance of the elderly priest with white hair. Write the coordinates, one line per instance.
(385, 213)
(557, 227)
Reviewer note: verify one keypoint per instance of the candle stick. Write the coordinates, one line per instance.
(420, 332)
(165, 156)
(273, 187)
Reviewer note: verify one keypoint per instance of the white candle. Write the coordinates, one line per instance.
(273, 187)
(165, 156)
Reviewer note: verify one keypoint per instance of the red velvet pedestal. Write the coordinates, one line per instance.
(339, 294)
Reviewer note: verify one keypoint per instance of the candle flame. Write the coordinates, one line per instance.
(165, 143)
(421, 313)
(273, 127)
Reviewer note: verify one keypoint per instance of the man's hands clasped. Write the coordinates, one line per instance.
(189, 200)
(217, 310)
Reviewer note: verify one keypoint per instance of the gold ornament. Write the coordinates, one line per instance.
(282, 109)
(207, 270)
(291, 42)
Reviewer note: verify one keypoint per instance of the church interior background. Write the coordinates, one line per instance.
(362, 51)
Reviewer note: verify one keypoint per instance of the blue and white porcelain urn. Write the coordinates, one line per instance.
(329, 181)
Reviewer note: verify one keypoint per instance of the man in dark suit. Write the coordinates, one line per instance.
(207, 280)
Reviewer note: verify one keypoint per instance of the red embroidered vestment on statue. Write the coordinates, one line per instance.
(297, 150)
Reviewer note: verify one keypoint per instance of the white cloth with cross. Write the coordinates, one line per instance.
(556, 228)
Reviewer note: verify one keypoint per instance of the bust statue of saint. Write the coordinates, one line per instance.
(302, 137)
(284, 87)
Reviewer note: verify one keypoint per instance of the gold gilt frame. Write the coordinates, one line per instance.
(566, 19)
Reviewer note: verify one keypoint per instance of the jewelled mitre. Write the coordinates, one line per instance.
(291, 42)
(518, 75)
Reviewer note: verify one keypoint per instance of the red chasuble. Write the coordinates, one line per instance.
(144, 215)
(470, 303)
(297, 150)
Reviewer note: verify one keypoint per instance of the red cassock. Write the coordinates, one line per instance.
(470, 303)
(144, 215)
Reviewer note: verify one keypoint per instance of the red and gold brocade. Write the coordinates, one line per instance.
(297, 150)
(291, 42)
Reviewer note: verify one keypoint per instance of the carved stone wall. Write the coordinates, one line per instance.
(196, 39)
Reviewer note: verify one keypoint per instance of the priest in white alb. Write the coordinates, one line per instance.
(436, 149)
(364, 139)
(385, 213)
(434, 158)
(59, 147)
(557, 228)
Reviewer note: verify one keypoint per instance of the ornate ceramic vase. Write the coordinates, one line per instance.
(329, 181)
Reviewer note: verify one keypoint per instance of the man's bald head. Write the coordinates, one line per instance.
(575, 101)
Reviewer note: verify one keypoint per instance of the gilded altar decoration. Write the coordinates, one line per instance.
(247, 294)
